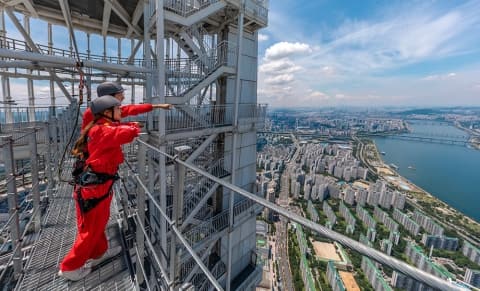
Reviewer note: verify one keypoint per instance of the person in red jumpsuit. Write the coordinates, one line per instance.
(117, 91)
(102, 138)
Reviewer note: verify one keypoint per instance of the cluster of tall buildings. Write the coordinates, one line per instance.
(374, 275)
(334, 277)
(409, 224)
(305, 269)
(364, 240)
(440, 242)
(380, 194)
(333, 125)
(332, 218)
(471, 252)
(472, 277)
(404, 282)
(312, 211)
(415, 254)
(427, 223)
(364, 216)
(384, 218)
(386, 246)
(349, 218)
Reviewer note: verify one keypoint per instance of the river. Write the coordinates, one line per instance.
(449, 172)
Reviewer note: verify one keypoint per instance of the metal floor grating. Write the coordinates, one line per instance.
(54, 241)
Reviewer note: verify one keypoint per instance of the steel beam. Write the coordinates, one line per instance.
(34, 48)
(29, 5)
(123, 14)
(37, 57)
(107, 10)
(135, 17)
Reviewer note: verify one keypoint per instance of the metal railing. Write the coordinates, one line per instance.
(186, 8)
(28, 212)
(20, 114)
(257, 9)
(195, 236)
(184, 73)
(190, 117)
(21, 45)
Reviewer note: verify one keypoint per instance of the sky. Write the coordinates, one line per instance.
(370, 53)
(320, 53)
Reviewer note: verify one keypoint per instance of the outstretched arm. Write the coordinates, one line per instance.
(165, 106)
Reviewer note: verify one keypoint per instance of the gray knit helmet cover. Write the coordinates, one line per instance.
(109, 88)
(102, 103)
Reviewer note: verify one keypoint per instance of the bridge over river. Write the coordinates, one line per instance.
(429, 137)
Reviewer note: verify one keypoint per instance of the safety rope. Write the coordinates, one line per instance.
(81, 86)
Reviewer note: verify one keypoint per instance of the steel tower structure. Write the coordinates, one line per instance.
(201, 56)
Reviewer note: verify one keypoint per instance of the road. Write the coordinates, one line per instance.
(281, 226)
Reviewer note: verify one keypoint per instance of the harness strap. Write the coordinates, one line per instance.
(86, 205)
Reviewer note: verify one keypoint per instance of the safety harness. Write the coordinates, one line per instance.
(83, 176)
(89, 178)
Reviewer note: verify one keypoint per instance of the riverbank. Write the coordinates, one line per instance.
(474, 140)
(443, 213)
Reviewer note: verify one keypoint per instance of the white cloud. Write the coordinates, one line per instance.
(282, 66)
(262, 37)
(357, 62)
(286, 49)
(440, 77)
(280, 79)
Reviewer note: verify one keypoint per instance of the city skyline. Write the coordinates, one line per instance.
(415, 53)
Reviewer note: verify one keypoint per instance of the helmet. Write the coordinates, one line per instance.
(102, 103)
(109, 88)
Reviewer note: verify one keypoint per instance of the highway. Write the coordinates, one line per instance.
(281, 226)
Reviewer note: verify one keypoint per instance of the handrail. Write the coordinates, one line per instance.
(21, 45)
(179, 234)
(186, 7)
(378, 256)
(185, 73)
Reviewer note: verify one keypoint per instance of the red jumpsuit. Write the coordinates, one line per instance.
(105, 155)
(127, 110)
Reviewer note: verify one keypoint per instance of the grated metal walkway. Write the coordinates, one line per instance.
(55, 240)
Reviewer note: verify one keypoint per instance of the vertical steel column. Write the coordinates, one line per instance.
(142, 151)
(132, 49)
(104, 54)
(50, 52)
(119, 53)
(5, 81)
(88, 46)
(235, 141)
(177, 215)
(54, 133)
(34, 172)
(160, 89)
(8, 159)
(48, 160)
(61, 130)
(31, 93)
(147, 55)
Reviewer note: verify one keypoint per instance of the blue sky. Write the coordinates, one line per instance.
(334, 53)
(370, 53)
